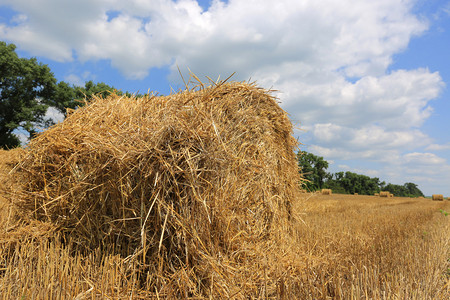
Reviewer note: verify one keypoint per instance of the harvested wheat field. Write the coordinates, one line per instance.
(369, 248)
(196, 195)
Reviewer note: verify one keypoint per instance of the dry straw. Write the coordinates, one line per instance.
(438, 197)
(8, 159)
(326, 192)
(376, 194)
(184, 184)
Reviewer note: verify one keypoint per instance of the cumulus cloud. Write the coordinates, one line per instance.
(55, 115)
(437, 147)
(367, 172)
(428, 169)
(74, 79)
(357, 38)
(373, 137)
(428, 159)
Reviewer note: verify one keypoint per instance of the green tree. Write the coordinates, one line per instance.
(409, 189)
(313, 169)
(413, 190)
(349, 183)
(67, 96)
(25, 87)
(64, 97)
(395, 189)
(334, 182)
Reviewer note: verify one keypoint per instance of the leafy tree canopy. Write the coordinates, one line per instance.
(409, 189)
(25, 87)
(28, 88)
(351, 183)
(70, 96)
(313, 169)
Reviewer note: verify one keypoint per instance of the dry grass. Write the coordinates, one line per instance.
(365, 249)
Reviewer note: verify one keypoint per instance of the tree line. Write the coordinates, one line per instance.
(28, 88)
(314, 171)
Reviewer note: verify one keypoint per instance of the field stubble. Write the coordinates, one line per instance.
(374, 248)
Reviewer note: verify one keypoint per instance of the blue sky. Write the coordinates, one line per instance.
(366, 82)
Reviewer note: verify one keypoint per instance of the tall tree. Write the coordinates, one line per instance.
(67, 96)
(407, 190)
(413, 190)
(313, 169)
(25, 87)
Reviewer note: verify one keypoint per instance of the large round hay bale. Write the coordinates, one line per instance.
(326, 192)
(437, 197)
(385, 194)
(180, 181)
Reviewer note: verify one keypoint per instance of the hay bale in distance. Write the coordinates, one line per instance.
(391, 195)
(376, 194)
(356, 194)
(326, 192)
(384, 194)
(437, 197)
(179, 182)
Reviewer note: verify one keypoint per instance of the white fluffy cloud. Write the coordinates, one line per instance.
(329, 59)
(427, 159)
(397, 100)
(437, 147)
(358, 38)
(370, 137)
